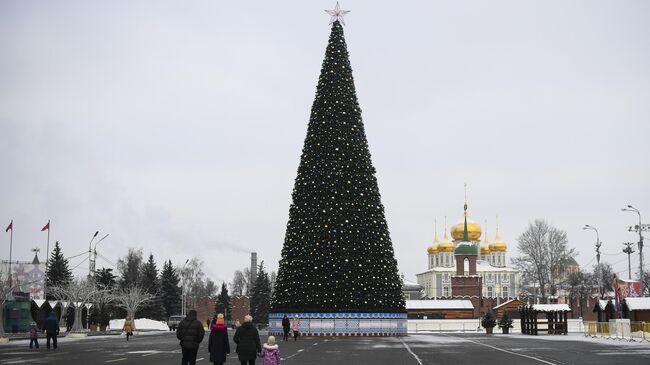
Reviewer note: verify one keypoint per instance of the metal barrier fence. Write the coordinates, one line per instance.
(618, 330)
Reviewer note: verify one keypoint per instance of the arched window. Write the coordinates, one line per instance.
(466, 265)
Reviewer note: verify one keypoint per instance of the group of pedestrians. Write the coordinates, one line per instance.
(293, 325)
(51, 329)
(190, 332)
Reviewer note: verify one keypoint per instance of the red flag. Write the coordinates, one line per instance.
(10, 226)
(47, 227)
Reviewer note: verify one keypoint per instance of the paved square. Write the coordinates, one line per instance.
(417, 349)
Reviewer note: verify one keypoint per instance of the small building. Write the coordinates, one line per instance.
(637, 309)
(439, 309)
(554, 323)
(411, 290)
(511, 307)
(241, 306)
(605, 310)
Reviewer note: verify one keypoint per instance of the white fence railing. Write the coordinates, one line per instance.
(473, 325)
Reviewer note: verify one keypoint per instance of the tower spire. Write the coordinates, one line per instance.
(435, 231)
(445, 235)
(465, 233)
(498, 236)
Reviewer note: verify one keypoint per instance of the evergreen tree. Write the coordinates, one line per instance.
(261, 296)
(151, 284)
(170, 290)
(337, 254)
(58, 273)
(130, 268)
(223, 303)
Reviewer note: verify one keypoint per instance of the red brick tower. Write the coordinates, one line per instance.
(467, 284)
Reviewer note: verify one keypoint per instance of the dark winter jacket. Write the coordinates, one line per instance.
(52, 324)
(190, 331)
(218, 345)
(285, 323)
(248, 342)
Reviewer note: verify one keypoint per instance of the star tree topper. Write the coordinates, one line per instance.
(337, 14)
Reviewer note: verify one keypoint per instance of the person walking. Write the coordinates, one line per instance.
(286, 327)
(295, 327)
(248, 342)
(33, 335)
(218, 344)
(270, 352)
(51, 330)
(128, 327)
(190, 332)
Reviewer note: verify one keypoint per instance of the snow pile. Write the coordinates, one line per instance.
(140, 324)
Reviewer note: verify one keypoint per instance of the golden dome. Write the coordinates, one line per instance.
(446, 247)
(485, 250)
(473, 230)
(498, 245)
(432, 249)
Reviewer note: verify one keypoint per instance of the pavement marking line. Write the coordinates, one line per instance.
(200, 359)
(114, 360)
(290, 356)
(411, 351)
(506, 351)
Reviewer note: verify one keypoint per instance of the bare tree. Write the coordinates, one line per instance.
(78, 292)
(238, 284)
(132, 298)
(580, 286)
(543, 252)
(195, 284)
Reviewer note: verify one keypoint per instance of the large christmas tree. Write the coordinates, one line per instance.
(337, 254)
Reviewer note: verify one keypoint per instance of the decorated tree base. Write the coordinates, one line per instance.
(77, 334)
(343, 324)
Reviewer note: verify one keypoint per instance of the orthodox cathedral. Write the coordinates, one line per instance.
(465, 268)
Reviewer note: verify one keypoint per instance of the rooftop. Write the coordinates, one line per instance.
(439, 304)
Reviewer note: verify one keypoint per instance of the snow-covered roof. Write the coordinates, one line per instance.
(602, 303)
(439, 304)
(410, 285)
(504, 303)
(636, 304)
(481, 266)
(551, 307)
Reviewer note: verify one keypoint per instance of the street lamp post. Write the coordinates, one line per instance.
(628, 250)
(598, 244)
(93, 262)
(640, 228)
(183, 288)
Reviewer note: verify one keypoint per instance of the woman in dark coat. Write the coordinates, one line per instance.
(218, 345)
(286, 326)
(248, 342)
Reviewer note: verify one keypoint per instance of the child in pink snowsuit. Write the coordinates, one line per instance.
(270, 352)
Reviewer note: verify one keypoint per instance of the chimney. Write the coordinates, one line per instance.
(253, 268)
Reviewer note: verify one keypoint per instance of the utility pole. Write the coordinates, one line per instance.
(638, 228)
(598, 244)
(628, 250)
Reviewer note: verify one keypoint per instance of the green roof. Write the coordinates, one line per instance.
(466, 248)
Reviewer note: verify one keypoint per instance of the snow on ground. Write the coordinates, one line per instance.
(140, 324)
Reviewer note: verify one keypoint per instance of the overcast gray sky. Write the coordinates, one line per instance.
(177, 126)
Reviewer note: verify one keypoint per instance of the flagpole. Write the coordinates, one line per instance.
(47, 259)
(11, 245)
